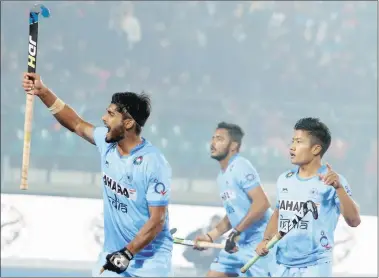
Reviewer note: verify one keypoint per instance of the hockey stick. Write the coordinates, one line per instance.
(32, 63)
(201, 244)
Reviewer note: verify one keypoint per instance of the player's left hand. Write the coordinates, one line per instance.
(331, 177)
(118, 261)
(231, 242)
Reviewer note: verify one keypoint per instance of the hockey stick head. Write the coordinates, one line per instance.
(36, 10)
(40, 9)
(310, 206)
(173, 231)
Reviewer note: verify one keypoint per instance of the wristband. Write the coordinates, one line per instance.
(210, 237)
(127, 253)
(57, 106)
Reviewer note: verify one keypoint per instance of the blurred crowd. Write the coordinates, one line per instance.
(262, 65)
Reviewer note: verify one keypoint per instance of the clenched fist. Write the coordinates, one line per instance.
(261, 248)
(33, 84)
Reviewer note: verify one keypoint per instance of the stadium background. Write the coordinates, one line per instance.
(262, 65)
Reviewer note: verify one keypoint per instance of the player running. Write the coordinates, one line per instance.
(136, 183)
(246, 204)
(307, 250)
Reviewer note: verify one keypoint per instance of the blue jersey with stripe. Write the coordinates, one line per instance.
(131, 184)
(311, 241)
(239, 178)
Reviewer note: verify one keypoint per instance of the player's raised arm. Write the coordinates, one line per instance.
(342, 196)
(65, 115)
(158, 197)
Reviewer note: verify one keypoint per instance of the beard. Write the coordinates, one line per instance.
(115, 135)
(220, 156)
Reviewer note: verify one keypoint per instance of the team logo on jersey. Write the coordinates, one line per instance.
(285, 224)
(291, 205)
(324, 241)
(115, 187)
(228, 195)
(250, 177)
(115, 203)
(160, 188)
(129, 193)
(290, 174)
(138, 160)
(107, 163)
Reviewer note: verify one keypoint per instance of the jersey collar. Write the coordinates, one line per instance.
(134, 150)
(138, 147)
(320, 170)
(232, 158)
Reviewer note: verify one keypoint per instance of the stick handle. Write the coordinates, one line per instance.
(27, 140)
(32, 64)
(206, 244)
(201, 244)
(269, 245)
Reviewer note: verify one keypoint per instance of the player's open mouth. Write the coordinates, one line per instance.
(292, 155)
(108, 129)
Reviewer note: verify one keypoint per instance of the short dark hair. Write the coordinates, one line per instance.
(135, 106)
(235, 132)
(319, 132)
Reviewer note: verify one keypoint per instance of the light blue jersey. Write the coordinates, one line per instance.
(234, 183)
(311, 242)
(130, 185)
(239, 178)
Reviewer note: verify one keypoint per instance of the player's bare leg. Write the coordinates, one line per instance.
(212, 273)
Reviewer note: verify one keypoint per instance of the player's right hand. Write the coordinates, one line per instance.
(201, 238)
(261, 248)
(33, 84)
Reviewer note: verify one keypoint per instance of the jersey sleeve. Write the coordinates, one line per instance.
(247, 176)
(99, 134)
(346, 187)
(159, 182)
